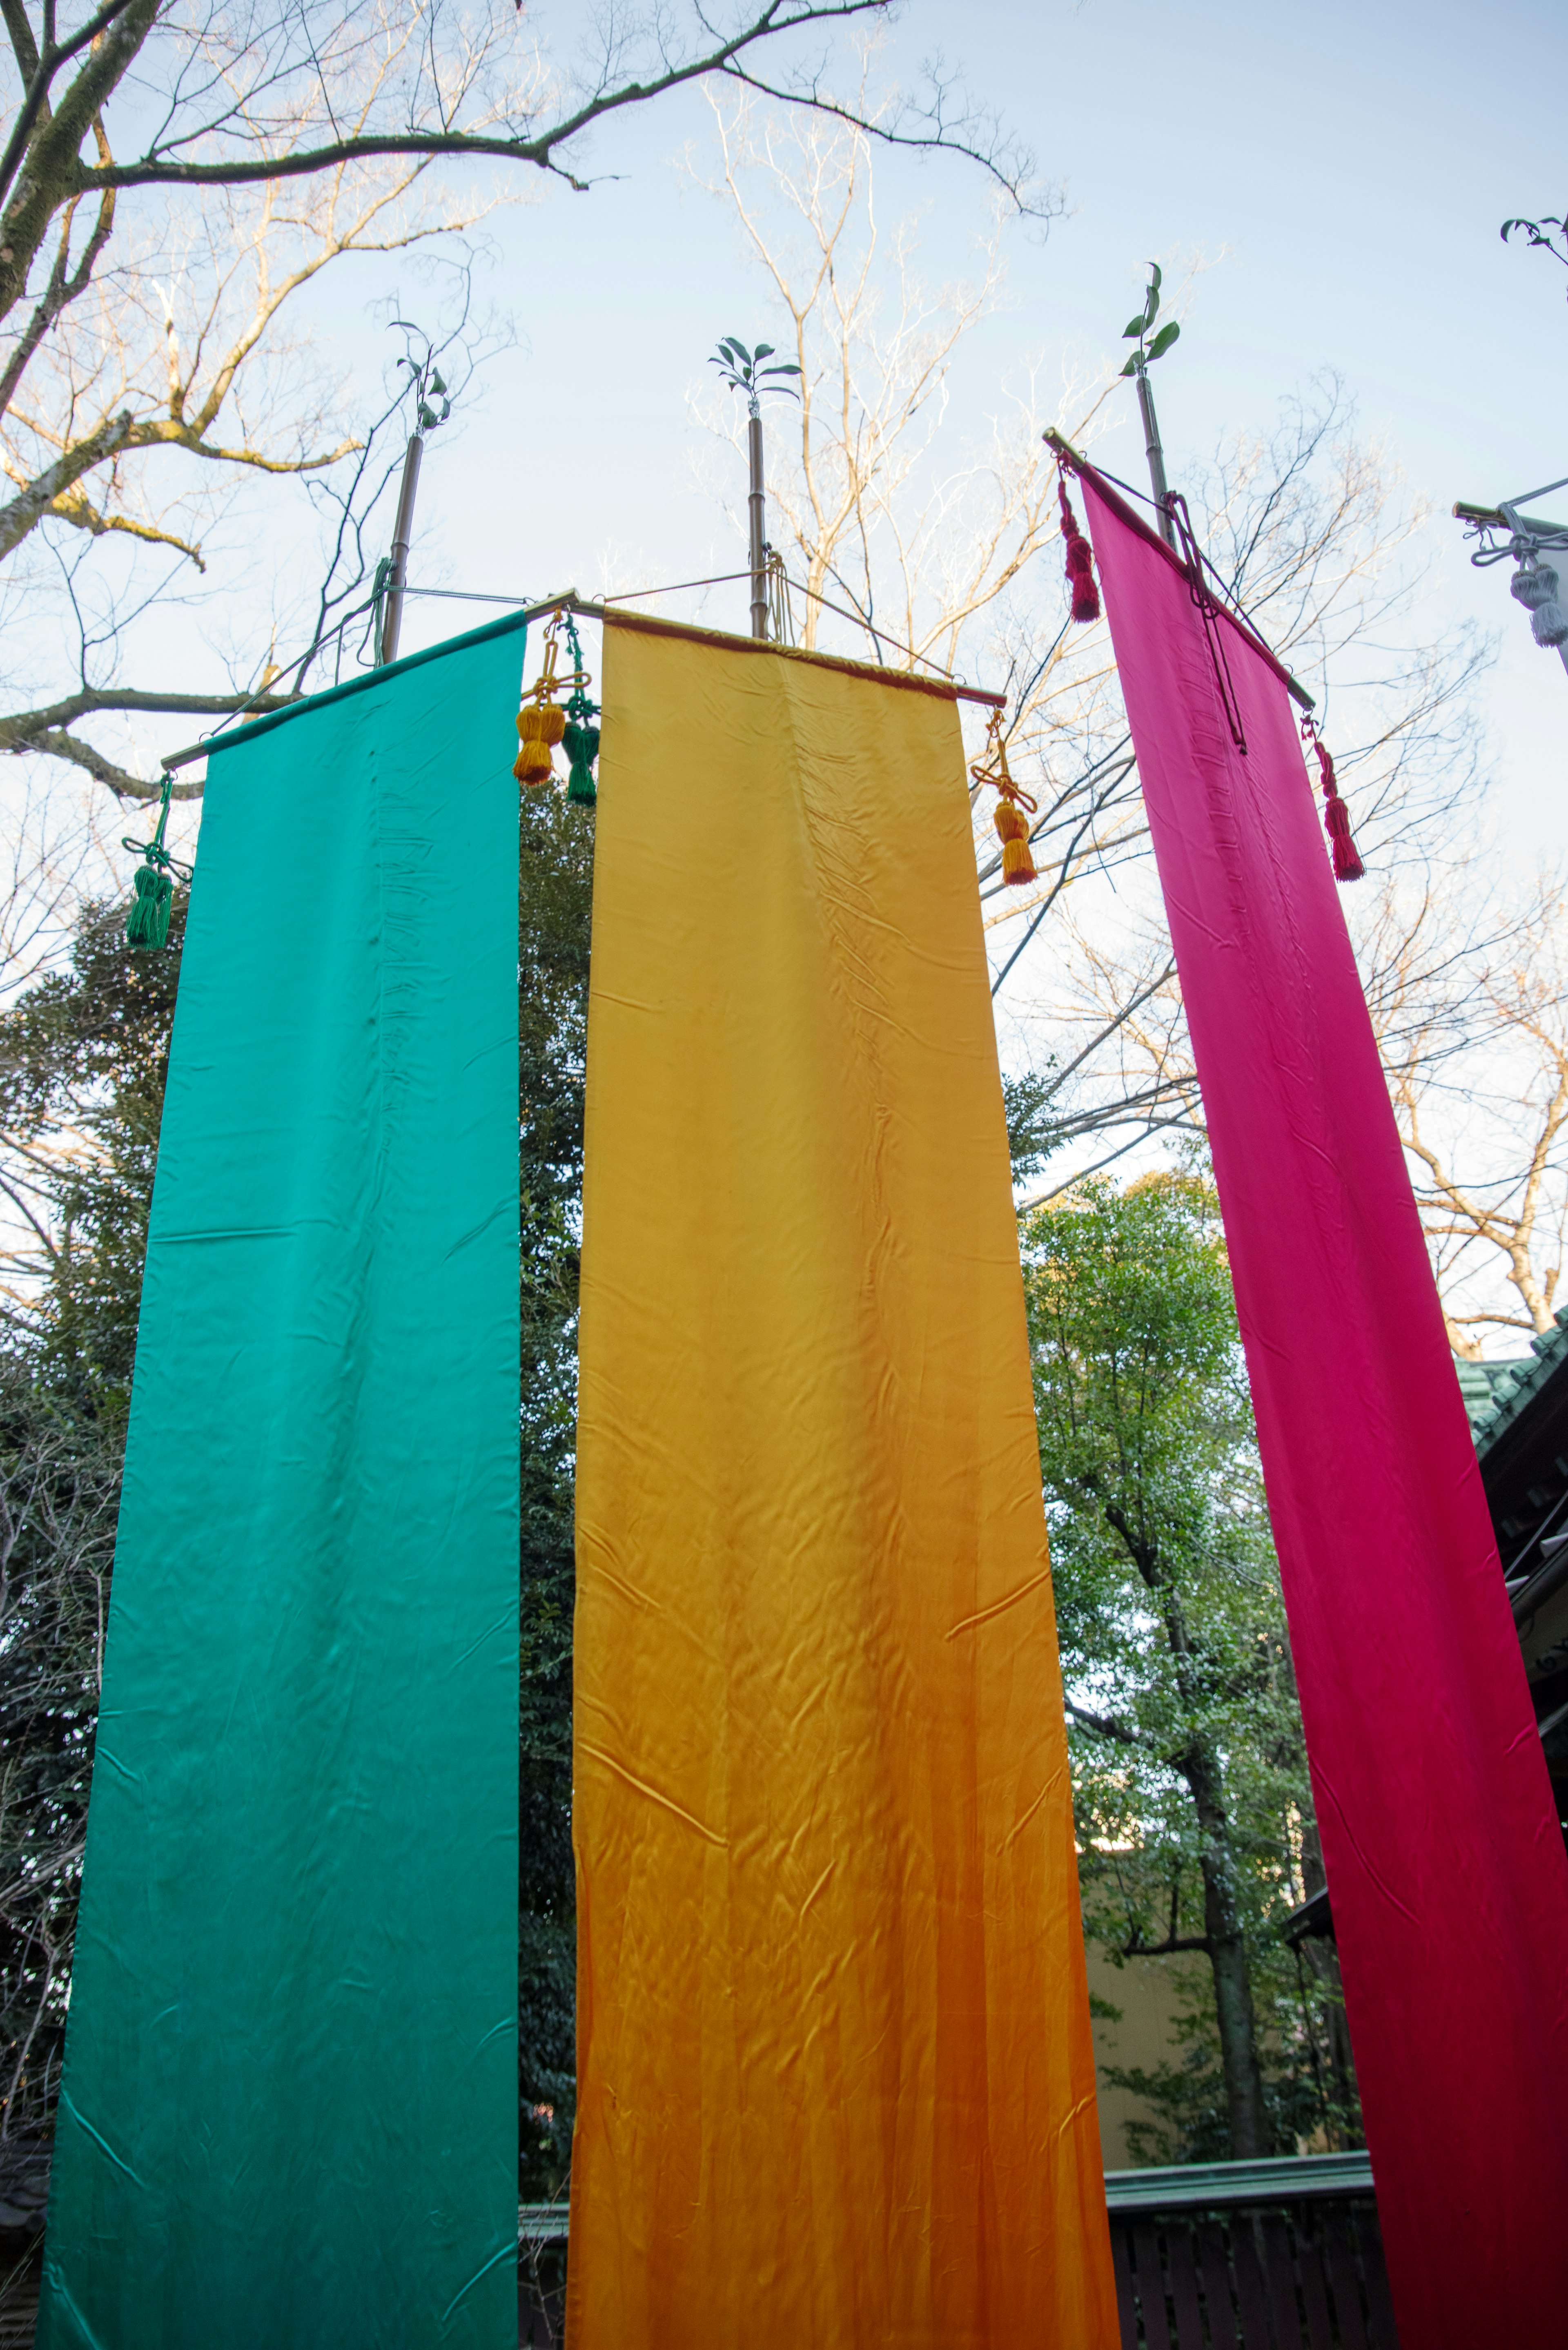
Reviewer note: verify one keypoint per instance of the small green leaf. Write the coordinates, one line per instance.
(1155, 281)
(762, 351)
(437, 386)
(1133, 331)
(1131, 366)
(1163, 341)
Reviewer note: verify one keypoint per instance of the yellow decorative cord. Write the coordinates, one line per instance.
(540, 723)
(780, 618)
(1012, 822)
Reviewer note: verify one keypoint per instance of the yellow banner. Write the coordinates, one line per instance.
(835, 2080)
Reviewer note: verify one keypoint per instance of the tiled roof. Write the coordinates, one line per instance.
(1496, 1393)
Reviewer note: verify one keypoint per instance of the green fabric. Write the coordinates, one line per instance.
(290, 2113)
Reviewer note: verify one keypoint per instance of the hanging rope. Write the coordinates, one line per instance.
(1347, 864)
(580, 740)
(1011, 821)
(541, 723)
(1211, 615)
(147, 923)
(780, 616)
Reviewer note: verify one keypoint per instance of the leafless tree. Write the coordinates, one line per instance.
(921, 554)
(175, 174)
(1467, 988)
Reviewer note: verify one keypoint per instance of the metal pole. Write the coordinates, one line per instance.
(1155, 456)
(757, 530)
(402, 536)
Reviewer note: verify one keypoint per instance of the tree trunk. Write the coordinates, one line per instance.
(1323, 1962)
(1250, 2132)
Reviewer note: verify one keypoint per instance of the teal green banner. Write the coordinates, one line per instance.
(289, 2119)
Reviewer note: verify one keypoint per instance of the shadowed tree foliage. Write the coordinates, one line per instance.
(82, 1061)
(554, 909)
(83, 1058)
(1190, 1785)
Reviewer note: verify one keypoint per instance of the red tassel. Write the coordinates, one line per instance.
(1347, 865)
(1080, 563)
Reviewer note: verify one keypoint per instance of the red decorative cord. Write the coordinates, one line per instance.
(1347, 864)
(1080, 562)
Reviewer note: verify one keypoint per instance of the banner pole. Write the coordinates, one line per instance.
(1155, 456)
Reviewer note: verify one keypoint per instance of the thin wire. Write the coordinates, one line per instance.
(952, 675)
(719, 579)
(715, 579)
(630, 595)
(1226, 594)
(1182, 521)
(249, 709)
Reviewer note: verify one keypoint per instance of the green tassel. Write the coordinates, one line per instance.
(581, 745)
(580, 742)
(147, 925)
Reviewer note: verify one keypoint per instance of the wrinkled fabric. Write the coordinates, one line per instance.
(1445, 1861)
(835, 2080)
(290, 2107)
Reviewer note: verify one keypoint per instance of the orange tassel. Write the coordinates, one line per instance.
(541, 726)
(1013, 831)
(1012, 822)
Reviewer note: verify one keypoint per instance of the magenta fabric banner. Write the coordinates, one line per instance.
(1446, 1863)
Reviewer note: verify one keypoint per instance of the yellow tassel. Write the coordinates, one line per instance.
(1011, 823)
(541, 725)
(1013, 831)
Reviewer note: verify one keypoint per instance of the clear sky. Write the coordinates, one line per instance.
(1340, 173)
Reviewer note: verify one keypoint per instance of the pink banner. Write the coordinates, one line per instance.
(1445, 1859)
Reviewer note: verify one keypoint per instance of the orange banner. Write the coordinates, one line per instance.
(836, 2080)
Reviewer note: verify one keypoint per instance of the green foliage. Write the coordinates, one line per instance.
(1033, 1121)
(60, 1493)
(83, 1057)
(1190, 1784)
(555, 905)
(82, 1062)
(1136, 330)
(744, 371)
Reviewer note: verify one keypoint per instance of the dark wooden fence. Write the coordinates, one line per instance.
(1228, 2256)
(1235, 2256)
(1251, 2256)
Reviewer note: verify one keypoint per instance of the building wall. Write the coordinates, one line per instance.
(1146, 1992)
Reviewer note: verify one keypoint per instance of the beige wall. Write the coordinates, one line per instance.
(1145, 1989)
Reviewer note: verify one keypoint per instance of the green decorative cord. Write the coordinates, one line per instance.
(580, 741)
(147, 924)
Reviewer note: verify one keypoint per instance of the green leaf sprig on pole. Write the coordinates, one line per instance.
(1136, 330)
(1139, 330)
(744, 372)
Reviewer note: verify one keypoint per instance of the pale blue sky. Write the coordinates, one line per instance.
(1342, 171)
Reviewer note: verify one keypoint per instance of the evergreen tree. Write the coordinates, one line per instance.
(1193, 1803)
(554, 916)
(83, 1060)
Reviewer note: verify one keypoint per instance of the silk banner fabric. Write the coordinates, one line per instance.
(290, 2108)
(835, 2083)
(1445, 1860)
